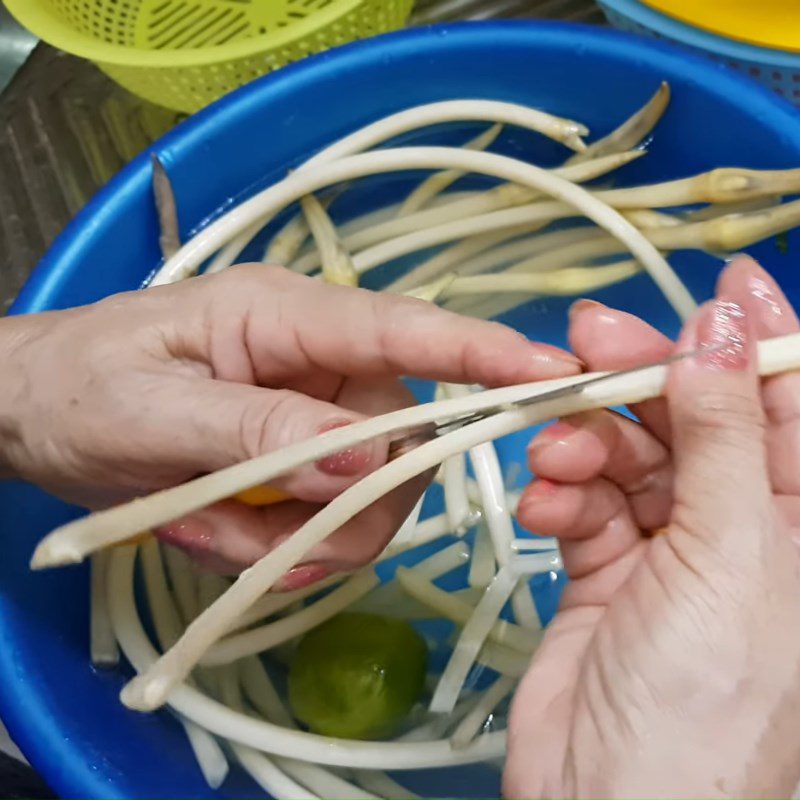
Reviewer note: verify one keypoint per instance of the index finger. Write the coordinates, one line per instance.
(356, 332)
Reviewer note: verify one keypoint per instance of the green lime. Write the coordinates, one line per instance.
(357, 676)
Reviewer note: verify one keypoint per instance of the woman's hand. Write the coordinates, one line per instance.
(148, 389)
(672, 668)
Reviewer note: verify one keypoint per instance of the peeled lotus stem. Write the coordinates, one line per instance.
(470, 726)
(282, 630)
(261, 735)
(437, 183)
(460, 611)
(103, 645)
(470, 641)
(482, 565)
(632, 131)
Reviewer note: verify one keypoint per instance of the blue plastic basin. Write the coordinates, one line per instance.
(65, 716)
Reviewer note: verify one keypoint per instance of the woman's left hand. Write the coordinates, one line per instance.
(146, 390)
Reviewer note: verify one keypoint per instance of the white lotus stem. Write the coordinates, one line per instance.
(727, 185)
(261, 693)
(471, 725)
(488, 251)
(482, 566)
(530, 216)
(287, 242)
(537, 545)
(389, 600)
(207, 752)
(166, 621)
(568, 132)
(562, 282)
(460, 611)
(389, 212)
(504, 660)
(562, 130)
(648, 218)
(273, 603)
(337, 264)
(456, 500)
(268, 776)
(535, 563)
(432, 291)
(436, 184)
(383, 786)
(633, 131)
(489, 477)
(451, 258)
(496, 199)
(321, 781)
(715, 210)
(163, 611)
(438, 725)
(470, 641)
(180, 569)
(102, 643)
(282, 630)
(70, 543)
(243, 729)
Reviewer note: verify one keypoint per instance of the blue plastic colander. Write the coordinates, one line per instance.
(67, 717)
(778, 70)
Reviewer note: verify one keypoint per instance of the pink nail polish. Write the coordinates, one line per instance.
(301, 576)
(723, 326)
(773, 316)
(552, 435)
(345, 463)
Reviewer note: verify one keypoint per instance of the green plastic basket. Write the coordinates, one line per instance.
(184, 54)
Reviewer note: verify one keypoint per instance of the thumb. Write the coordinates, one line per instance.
(239, 422)
(722, 492)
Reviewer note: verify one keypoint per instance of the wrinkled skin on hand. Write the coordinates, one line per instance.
(672, 668)
(149, 389)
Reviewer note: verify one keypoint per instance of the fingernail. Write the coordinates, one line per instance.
(557, 432)
(723, 326)
(774, 318)
(541, 489)
(192, 535)
(734, 256)
(301, 576)
(582, 305)
(345, 463)
(549, 351)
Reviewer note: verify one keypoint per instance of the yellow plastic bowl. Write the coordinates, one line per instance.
(763, 23)
(184, 54)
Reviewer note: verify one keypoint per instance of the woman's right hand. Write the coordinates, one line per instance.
(672, 668)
